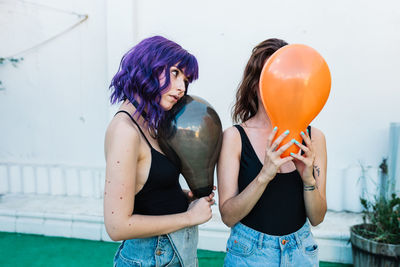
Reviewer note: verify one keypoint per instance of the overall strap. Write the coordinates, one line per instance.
(130, 116)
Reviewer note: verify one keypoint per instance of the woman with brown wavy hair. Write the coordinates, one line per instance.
(269, 201)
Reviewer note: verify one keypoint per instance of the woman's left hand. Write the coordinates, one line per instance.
(305, 163)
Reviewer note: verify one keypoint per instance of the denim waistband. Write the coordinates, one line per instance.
(182, 242)
(265, 240)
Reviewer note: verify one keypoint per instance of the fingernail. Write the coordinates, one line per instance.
(296, 141)
(275, 128)
(293, 140)
(302, 133)
(291, 154)
(308, 131)
(287, 132)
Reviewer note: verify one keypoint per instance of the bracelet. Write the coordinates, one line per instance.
(309, 187)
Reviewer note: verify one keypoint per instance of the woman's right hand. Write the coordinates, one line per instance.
(199, 210)
(272, 159)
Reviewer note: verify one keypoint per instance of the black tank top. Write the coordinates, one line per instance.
(280, 209)
(162, 193)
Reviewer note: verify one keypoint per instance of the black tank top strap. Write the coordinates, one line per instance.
(271, 215)
(244, 138)
(161, 194)
(248, 151)
(241, 130)
(130, 116)
(243, 135)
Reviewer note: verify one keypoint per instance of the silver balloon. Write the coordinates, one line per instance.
(192, 138)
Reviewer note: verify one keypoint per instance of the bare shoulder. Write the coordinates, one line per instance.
(231, 142)
(231, 134)
(121, 132)
(318, 141)
(231, 138)
(317, 135)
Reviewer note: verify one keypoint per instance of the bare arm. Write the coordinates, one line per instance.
(234, 206)
(314, 200)
(122, 156)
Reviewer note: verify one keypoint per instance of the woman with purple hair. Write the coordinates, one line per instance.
(144, 204)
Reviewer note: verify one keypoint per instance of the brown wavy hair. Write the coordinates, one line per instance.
(246, 105)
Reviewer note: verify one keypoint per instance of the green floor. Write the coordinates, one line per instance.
(34, 250)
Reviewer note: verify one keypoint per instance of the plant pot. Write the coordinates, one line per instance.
(371, 253)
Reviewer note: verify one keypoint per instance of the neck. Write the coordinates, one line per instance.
(261, 119)
(135, 103)
(131, 108)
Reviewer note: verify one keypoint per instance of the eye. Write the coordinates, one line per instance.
(175, 72)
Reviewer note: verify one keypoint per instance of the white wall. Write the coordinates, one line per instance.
(358, 39)
(54, 108)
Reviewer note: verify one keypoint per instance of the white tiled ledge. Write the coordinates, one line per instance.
(333, 236)
(62, 216)
(78, 217)
(336, 225)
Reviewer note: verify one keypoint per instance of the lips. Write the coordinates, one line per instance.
(175, 98)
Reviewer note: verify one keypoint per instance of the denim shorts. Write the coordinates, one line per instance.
(143, 252)
(248, 247)
(174, 249)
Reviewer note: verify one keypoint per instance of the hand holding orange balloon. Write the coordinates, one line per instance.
(294, 86)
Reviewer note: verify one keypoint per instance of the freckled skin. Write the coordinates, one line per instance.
(121, 174)
(112, 212)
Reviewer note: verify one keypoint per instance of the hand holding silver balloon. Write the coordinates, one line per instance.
(192, 137)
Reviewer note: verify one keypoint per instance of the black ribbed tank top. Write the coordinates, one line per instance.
(280, 209)
(162, 193)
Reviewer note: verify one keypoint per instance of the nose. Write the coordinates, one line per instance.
(181, 86)
(181, 92)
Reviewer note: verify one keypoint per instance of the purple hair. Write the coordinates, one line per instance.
(139, 73)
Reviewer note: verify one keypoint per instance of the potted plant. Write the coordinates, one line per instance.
(376, 242)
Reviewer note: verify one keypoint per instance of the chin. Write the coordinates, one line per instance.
(167, 107)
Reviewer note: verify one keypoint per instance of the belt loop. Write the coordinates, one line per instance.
(158, 242)
(260, 240)
(298, 241)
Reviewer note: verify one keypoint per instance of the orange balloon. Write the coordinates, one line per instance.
(294, 86)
